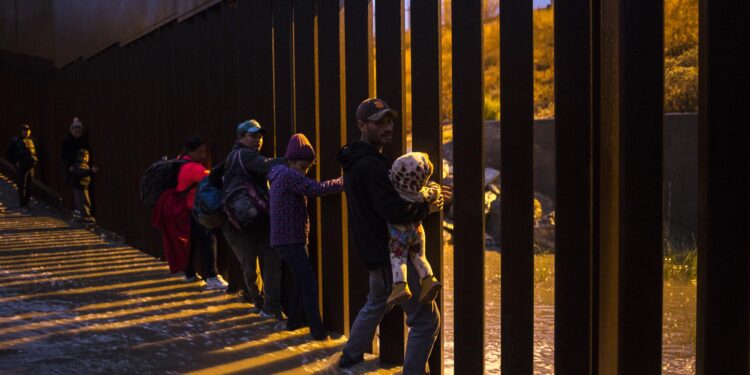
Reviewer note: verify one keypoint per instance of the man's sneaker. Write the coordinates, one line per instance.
(399, 294)
(216, 283)
(430, 288)
(346, 362)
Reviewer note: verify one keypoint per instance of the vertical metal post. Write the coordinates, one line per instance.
(263, 91)
(283, 84)
(304, 97)
(216, 55)
(389, 73)
(332, 250)
(389, 44)
(356, 36)
(248, 62)
(468, 176)
(631, 182)
(516, 179)
(723, 241)
(595, 175)
(427, 132)
(573, 231)
(230, 72)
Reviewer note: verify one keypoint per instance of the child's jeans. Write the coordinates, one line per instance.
(82, 202)
(408, 241)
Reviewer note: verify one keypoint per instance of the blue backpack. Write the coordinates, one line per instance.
(208, 205)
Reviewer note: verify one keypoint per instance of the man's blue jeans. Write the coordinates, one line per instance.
(423, 321)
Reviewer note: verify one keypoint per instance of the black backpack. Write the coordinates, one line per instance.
(157, 178)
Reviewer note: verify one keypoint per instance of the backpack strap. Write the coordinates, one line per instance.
(237, 159)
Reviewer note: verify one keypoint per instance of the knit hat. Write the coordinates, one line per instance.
(250, 126)
(76, 124)
(299, 148)
(409, 173)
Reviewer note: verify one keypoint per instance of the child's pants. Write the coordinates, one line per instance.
(82, 202)
(409, 242)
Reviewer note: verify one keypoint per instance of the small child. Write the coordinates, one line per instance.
(409, 176)
(290, 227)
(80, 178)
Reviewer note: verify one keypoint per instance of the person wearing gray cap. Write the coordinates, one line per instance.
(22, 153)
(247, 231)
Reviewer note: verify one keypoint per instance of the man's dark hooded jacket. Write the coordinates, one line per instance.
(372, 202)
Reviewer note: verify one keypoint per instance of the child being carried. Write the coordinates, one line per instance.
(409, 176)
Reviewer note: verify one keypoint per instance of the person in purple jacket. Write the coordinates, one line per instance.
(290, 226)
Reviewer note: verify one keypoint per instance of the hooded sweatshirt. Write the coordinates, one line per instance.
(372, 202)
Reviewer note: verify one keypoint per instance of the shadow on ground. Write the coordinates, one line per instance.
(72, 302)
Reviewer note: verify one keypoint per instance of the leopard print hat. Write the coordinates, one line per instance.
(410, 172)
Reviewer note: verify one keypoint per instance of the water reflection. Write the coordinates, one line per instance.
(679, 318)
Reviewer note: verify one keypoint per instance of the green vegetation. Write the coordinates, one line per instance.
(680, 60)
(680, 265)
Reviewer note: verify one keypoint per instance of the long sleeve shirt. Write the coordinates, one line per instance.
(290, 222)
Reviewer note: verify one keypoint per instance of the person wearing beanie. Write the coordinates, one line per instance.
(247, 229)
(290, 228)
(22, 153)
(410, 175)
(80, 179)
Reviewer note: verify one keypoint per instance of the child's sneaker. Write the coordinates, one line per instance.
(190, 279)
(430, 288)
(216, 283)
(399, 294)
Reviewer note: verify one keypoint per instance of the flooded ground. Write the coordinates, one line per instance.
(679, 318)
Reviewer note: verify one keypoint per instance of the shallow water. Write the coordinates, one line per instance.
(678, 354)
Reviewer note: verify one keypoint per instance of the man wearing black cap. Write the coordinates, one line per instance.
(248, 232)
(372, 202)
(22, 153)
